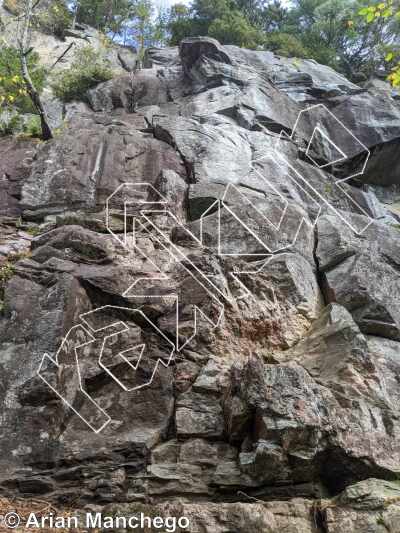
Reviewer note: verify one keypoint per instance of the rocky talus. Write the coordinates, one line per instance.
(280, 188)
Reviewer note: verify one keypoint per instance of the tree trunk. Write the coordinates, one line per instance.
(75, 16)
(33, 93)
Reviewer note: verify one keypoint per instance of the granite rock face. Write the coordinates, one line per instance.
(211, 282)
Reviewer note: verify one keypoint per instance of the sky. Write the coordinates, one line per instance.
(169, 3)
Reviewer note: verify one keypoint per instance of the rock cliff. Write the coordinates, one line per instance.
(264, 194)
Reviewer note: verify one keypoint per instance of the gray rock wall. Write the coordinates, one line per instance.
(285, 415)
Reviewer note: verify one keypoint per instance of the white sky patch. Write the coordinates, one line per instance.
(163, 4)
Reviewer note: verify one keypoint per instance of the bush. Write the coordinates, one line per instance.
(32, 127)
(6, 273)
(55, 20)
(12, 87)
(10, 123)
(87, 70)
(284, 44)
(14, 123)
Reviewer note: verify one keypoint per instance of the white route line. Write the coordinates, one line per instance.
(318, 129)
(159, 205)
(47, 357)
(89, 331)
(334, 117)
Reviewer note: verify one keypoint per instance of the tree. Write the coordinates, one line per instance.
(142, 28)
(253, 10)
(274, 16)
(386, 16)
(24, 50)
(220, 19)
(13, 91)
(108, 16)
(321, 27)
(234, 28)
(180, 24)
(330, 32)
(15, 87)
(286, 45)
(209, 10)
(160, 28)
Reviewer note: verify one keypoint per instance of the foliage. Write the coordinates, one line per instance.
(132, 22)
(180, 24)
(12, 87)
(329, 31)
(32, 127)
(10, 124)
(30, 77)
(7, 270)
(285, 45)
(356, 37)
(86, 71)
(253, 10)
(253, 22)
(55, 20)
(333, 34)
(141, 24)
(104, 15)
(386, 14)
(160, 28)
(273, 17)
(33, 230)
(321, 26)
(234, 28)
(220, 19)
(14, 123)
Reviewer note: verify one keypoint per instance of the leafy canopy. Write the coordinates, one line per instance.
(104, 15)
(386, 14)
(221, 19)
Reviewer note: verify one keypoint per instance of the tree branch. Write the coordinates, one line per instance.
(61, 56)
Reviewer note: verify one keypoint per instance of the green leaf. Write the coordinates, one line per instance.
(389, 56)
